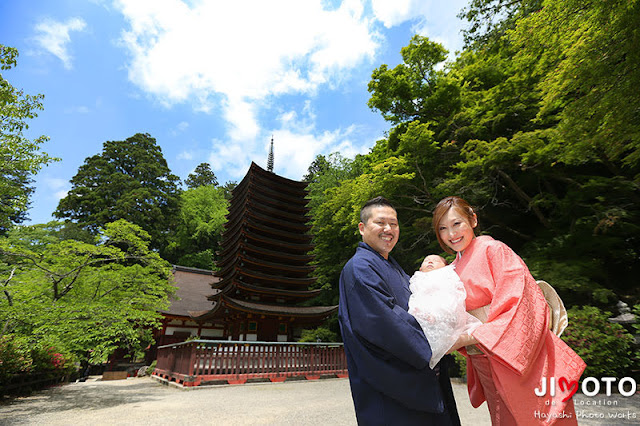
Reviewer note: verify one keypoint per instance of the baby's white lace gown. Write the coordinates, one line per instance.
(437, 302)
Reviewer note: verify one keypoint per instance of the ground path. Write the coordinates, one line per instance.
(141, 401)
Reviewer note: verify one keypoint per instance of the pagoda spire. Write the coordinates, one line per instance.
(270, 161)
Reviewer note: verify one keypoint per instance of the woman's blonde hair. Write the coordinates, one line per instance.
(441, 210)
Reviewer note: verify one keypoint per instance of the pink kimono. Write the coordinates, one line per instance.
(520, 349)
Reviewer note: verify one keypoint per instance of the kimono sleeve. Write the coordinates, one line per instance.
(381, 324)
(517, 321)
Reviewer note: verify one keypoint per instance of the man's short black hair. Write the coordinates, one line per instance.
(379, 201)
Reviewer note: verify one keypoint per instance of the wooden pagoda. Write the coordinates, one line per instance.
(264, 267)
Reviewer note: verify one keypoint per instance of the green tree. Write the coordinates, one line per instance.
(199, 227)
(606, 348)
(490, 19)
(335, 219)
(82, 296)
(512, 139)
(228, 188)
(201, 176)
(415, 90)
(129, 180)
(20, 158)
(328, 172)
(587, 52)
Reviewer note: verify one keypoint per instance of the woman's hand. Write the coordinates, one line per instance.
(463, 340)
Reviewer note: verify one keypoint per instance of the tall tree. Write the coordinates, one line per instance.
(129, 180)
(20, 158)
(512, 138)
(490, 19)
(199, 227)
(82, 296)
(415, 89)
(588, 53)
(336, 216)
(201, 176)
(228, 188)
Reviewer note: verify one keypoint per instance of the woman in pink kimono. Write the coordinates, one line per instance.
(513, 352)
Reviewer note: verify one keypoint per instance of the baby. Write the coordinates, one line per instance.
(437, 302)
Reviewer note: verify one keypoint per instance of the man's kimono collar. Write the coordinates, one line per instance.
(368, 247)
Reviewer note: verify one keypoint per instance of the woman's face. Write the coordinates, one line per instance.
(455, 229)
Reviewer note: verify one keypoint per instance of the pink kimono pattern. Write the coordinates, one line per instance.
(516, 339)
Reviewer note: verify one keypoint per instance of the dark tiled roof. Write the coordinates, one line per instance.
(283, 310)
(192, 288)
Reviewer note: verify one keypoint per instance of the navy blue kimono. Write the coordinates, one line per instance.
(387, 351)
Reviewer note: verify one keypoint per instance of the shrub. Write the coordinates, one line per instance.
(15, 356)
(51, 358)
(459, 366)
(320, 334)
(605, 347)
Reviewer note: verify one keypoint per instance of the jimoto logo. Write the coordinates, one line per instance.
(590, 386)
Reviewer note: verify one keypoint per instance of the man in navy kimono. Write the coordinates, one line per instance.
(387, 351)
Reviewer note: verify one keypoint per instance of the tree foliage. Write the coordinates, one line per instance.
(535, 123)
(82, 296)
(198, 232)
(201, 176)
(128, 180)
(20, 158)
(606, 348)
(490, 19)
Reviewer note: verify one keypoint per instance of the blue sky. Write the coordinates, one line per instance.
(211, 81)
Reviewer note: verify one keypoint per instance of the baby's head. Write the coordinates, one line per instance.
(431, 262)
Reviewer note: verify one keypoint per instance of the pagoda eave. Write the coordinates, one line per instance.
(278, 310)
(302, 294)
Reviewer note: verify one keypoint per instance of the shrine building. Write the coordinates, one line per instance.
(193, 287)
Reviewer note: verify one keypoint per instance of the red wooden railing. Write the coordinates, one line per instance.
(199, 361)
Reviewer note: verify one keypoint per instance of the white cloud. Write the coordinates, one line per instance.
(185, 155)
(296, 144)
(394, 12)
(57, 186)
(56, 183)
(54, 37)
(59, 195)
(180, 128)
(295, 151)
(239, 58)
(77, 110)
(236, 54)
(434, 19)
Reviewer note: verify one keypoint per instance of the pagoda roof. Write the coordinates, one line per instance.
(239, 272)
(261, 251)
(294, 203)
(275, 246)
(254, 224)
(297, 269)
(255, 170)
(299, 226)
(252, 204)
(269, 309)
(253, 288)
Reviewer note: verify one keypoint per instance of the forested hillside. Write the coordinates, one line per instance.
(535, 124)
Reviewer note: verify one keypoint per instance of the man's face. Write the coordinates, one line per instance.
(381, 231)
